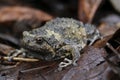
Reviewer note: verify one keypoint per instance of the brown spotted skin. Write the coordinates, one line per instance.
(58, 39)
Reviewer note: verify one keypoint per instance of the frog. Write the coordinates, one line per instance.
(60, 38)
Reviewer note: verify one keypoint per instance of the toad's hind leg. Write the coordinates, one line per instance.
(75, 54)
(74, 51)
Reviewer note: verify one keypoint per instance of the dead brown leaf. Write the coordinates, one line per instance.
(87, 9)
(16, 13)
(5, 49)
(106, 31)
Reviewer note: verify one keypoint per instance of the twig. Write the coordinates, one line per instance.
(20, 59)
(33, 69)
(115, 51)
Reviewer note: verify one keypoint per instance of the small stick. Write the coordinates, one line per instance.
(21, 59)
(115, 51)
(33, 69)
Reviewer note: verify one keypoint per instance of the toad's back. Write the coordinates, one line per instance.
(64, 30)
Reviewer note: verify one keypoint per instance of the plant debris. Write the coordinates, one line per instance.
(100, 61)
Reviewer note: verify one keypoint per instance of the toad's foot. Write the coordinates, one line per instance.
(66, 63)
(96, 37)
(15, 53)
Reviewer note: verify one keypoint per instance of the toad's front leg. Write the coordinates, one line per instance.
(15, 53)
(70, 50)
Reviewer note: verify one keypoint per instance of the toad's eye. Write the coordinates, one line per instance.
(39, 40)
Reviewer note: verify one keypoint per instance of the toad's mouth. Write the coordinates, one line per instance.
(29, 42)
(41, 49)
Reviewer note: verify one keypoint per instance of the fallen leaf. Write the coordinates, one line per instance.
(16, 13)
(87, 9)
